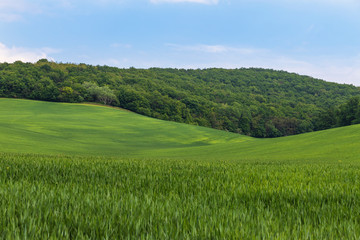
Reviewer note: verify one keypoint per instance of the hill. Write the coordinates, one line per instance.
(78, 171)
(79, 129)
(255, 102)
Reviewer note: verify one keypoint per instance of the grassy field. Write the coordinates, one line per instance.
(77, 129)
(62, 128)
(91, 172)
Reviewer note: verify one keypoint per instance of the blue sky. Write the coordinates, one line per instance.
(319, 38)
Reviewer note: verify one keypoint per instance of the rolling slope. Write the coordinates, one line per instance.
(78, 129)
(75, 171)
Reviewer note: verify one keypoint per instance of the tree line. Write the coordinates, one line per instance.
(337, 116)
(255, 102)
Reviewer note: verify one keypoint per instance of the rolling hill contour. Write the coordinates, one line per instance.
(80, 129)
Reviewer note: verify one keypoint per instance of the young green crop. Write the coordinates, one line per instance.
(93, 197)
(83, 172)
(58, 128)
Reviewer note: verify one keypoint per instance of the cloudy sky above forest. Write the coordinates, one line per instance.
(319, 38)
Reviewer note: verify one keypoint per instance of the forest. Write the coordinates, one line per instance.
(250, 101)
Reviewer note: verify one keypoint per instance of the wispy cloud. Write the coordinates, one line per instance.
(212, 48)
(329, 68)
(12, 54)
(11, 11)
(339, 2)
(347, 4)
(188, 1)
(10, 17)
(16, 10)
(11, 4)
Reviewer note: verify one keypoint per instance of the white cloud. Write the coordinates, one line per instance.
(213, 48)
(12, 54)
(189, 1)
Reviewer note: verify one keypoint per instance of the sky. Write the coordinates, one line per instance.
(318, 38)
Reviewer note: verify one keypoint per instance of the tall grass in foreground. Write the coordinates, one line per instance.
(44, 197)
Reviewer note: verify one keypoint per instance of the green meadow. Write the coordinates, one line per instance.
(78, 171)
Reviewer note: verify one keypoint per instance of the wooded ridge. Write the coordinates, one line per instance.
(253, 101)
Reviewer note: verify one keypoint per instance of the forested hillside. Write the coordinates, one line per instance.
(256, 102)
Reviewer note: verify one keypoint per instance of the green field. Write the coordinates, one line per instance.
(92, 172)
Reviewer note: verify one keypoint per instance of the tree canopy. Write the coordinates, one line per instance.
(253, 101)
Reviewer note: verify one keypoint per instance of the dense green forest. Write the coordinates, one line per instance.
(337, 116)
(255, 102)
